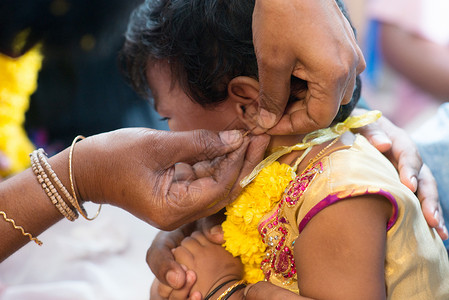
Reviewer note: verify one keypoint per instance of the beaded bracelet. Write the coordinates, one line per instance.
(232, 289)
(42, 157)
(48, 186)
(48, 178)
(37, 241)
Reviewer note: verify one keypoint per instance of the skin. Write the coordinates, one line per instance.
(404, 52)
(323, 52)
(198, 253)
(176, 282)
(119, 168)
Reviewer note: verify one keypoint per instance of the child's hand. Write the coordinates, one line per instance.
(170, 276)
(211, 262)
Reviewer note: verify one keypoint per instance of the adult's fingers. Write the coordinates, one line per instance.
(431, 207)
(211, 227)
(323, 52)
(161, 261)
(275, 67)
(206, 195)
(274, 83)
(197, 145)
(254, 154)
(398, 147)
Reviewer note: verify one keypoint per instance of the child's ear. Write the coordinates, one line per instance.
(243, 92)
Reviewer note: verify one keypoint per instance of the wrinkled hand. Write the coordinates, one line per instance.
(399, 148)
(174, 281)
(165, 178)
(311, 40)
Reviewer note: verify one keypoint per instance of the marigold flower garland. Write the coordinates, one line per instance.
(18, 80)
(243, 215)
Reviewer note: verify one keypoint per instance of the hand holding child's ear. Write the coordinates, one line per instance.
(318, 46)
(165, 178)
(399, 148)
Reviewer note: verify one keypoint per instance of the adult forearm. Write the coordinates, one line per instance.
(23, 200)
(423, 62)
(136, 169)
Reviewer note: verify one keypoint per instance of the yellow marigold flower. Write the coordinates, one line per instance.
(243, 215)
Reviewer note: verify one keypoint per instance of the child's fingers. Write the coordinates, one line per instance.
(200, 238)
(183, 256)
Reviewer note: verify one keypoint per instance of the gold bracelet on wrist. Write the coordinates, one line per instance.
(47, 178)
(79, 207)
(37, 241)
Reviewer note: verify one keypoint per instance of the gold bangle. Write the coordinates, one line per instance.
(232, 289)
(37, 241)
(79, 207)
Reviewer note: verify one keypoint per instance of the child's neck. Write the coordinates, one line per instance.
(285, 140)
(289, 140)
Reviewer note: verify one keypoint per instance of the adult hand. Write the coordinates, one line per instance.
(399, 148)
(174, 281)
(165, 178)
(311, 40)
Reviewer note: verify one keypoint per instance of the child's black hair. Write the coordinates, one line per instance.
(207, 43)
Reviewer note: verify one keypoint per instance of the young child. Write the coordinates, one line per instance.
(325, 215)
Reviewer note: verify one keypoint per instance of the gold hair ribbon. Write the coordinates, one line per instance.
(314, 138)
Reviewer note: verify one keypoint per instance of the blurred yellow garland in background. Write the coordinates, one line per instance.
(18, 80)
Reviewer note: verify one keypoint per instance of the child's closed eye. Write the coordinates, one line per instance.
(164, 119)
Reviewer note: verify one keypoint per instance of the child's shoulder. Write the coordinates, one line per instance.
(352, 164)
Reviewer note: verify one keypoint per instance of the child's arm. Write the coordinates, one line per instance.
(340, 254)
